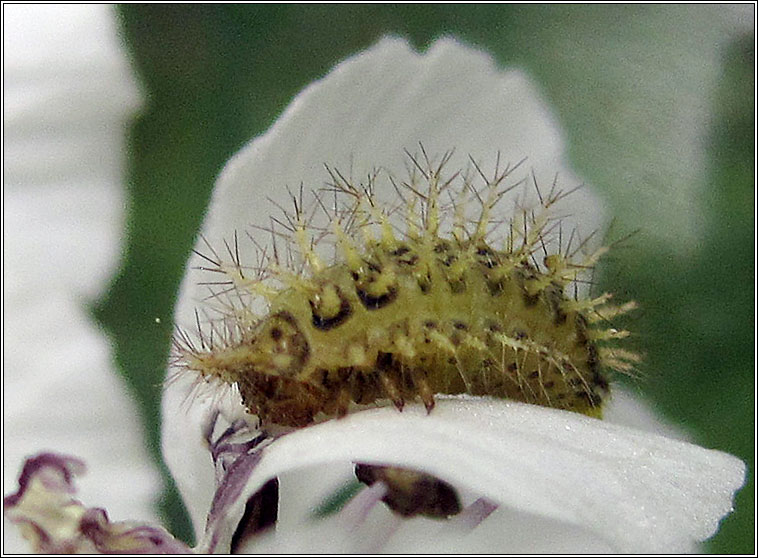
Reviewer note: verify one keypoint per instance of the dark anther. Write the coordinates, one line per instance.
(412, 492)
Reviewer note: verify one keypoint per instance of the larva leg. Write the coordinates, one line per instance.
(343, 403)
(424, 389)
(391, 390)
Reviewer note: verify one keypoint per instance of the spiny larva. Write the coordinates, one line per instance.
(444, 291)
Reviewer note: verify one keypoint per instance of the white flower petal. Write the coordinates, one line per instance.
(307, 489)
(636, 492)
(185, 448)
(68, 89)
(362, 115)
(68, 95)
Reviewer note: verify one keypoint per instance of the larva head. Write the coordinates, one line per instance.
(276, 348)
(264, 366)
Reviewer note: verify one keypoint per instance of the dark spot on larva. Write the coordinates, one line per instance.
(457, 286)
(372, 302)
(520, 334)
(523, 275)
(290, 341)
(593, 359)
(512, 367)
(442, 246)
(549, 385)
(424, 283)
(575, 382)
(325, 322)
(534, 375)
(529, 300)
(451, 360)
(486, 257)
(460, 325)
(488, 363)
(431, 324)
(553, 294)
(495, 287)
(560, 318)
(447, 253)
(404, 255)
(561, 396)
(276, 333)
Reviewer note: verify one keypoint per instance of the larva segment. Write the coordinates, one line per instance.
(441, 302)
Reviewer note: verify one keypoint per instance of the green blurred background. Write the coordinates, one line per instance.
(217, 75)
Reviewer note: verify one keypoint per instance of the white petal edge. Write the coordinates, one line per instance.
(636, 491)
(69, 94)
(360, 116)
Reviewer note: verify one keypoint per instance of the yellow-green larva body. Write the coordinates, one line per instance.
(420, 342)
(405, 316)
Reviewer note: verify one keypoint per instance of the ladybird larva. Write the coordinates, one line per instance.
(444, 303)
